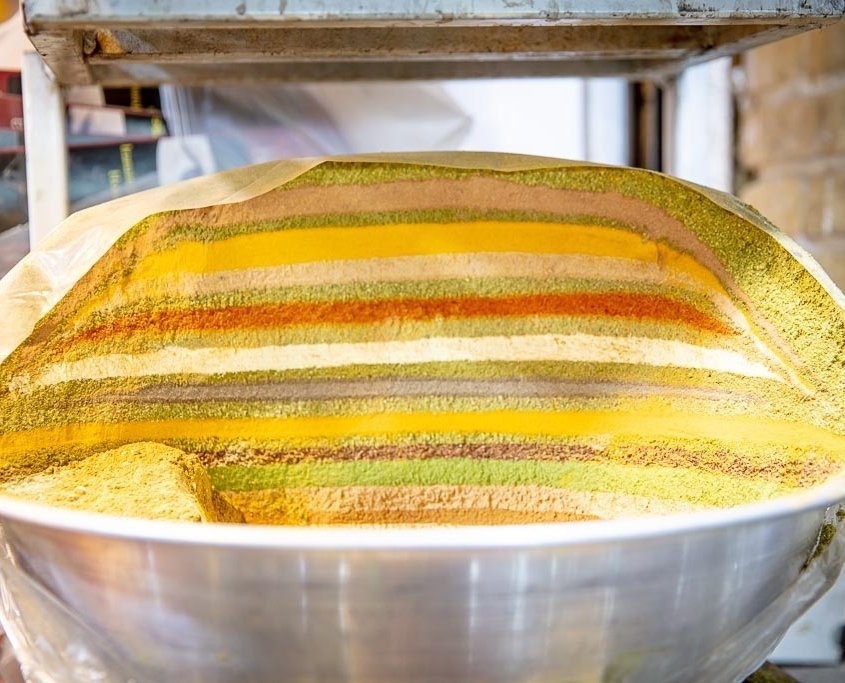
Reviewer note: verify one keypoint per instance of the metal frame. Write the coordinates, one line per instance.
(123, 42)
(114, 42)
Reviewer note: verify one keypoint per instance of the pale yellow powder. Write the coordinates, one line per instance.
(146, 480)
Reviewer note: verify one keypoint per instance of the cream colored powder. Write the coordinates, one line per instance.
(146, 480)
(575, 347)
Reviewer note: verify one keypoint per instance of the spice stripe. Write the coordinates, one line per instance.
(702, 488)
(301, 431)
(442, 504)
(603, 304)
(339, 388)
(266, 249)
(745, 461)
(581, 348)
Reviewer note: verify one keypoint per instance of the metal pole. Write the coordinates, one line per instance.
(46, 147)
(646, 110)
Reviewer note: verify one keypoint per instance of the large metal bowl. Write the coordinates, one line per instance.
(700, 597)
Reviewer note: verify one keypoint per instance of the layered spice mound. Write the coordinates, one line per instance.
(378, 343)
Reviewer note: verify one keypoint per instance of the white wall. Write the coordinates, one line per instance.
(529, 116)
(570, 118)
(704, 136)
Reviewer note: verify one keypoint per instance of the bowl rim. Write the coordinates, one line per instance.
(427, 538)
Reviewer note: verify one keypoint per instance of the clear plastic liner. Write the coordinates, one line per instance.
(249, 124)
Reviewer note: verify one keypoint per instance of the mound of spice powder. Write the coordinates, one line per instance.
(388, 343)
(146, 480)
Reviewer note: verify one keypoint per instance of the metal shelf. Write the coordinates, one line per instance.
(121, 42)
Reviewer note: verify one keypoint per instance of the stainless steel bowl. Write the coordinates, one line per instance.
(700, 597)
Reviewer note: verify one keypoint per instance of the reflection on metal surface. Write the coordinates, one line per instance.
(701, 602)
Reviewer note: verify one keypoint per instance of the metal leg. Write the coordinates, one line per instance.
(669, 125)
(46, 148)
(646, 112)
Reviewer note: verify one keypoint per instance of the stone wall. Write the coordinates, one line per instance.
(791, 139)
